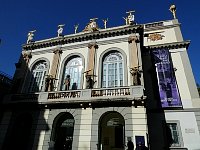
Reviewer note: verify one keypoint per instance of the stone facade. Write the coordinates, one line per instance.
(107, 115)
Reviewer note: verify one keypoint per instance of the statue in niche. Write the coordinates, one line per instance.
(136, 74)
(30, 36)
(67, 82)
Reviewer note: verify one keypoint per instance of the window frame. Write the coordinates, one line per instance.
(72, 67)
(177, 122)
(33, 75)
(114, 65)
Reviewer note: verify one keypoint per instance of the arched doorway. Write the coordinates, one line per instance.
(63, 129)
(111, 127)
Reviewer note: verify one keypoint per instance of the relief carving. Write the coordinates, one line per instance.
(155, 36)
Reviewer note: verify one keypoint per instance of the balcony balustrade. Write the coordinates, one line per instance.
(85, 95)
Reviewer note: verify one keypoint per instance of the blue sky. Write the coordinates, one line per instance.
(20, 16)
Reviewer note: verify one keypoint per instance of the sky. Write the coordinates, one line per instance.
(17, 17)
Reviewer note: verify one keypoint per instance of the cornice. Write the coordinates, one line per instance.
(84, 36)
(174, 45)
(161, 27)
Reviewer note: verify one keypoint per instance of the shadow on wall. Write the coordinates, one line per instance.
(27, 120)
(159, 136)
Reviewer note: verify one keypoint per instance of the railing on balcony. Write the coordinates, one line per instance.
(130, 92)
(110, 92)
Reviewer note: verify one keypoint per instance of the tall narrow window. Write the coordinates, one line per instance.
(113, 70)
(175, 134)
(73, 70)
(37, 77)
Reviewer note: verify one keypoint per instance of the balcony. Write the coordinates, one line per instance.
(131, 94)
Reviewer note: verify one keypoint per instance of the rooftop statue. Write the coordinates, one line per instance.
(92, 25)
(30, 36)
(60, 29)
(173, 10)
(76, 28)
(126, 20)
(130, 18)
(105, 23)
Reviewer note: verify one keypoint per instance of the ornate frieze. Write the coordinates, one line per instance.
(155, 36)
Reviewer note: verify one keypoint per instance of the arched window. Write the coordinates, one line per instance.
(73, 70)
(37, 77)
(113, 70)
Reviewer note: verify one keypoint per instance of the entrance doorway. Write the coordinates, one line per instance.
(63, 130)
(111, 127)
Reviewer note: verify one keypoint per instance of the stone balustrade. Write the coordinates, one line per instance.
(128, 93)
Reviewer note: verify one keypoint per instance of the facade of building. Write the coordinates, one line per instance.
(100, 88)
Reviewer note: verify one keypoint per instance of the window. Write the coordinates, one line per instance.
(113, 70)
(175, 134)
(73, 68)
(37, 77)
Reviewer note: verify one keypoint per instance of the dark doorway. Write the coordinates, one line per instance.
(111, 137)
(63, 129)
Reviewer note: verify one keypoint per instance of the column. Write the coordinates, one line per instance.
(90, 76)
(41, 129)
(133, 51)
(85, 129)
(54, 70)
(23, 72)
(91, 57)
(55, 63)
(134, 60)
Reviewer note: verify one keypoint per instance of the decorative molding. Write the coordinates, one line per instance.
(155, 36)
(93, 44)
(153, 28)
(85, 36)
(57, 51)
(175, 45)
(133, 38)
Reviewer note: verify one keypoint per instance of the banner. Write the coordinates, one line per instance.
(168, 89)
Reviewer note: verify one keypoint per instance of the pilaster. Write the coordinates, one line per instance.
(92, 47)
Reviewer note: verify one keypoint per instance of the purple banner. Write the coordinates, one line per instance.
(168, 89)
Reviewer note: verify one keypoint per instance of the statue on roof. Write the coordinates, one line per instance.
(92, 25)
(131, 17)
(173, 10)
(60, 29)
(105, 23)
(76, 28)
(30, 36)
(126, 20)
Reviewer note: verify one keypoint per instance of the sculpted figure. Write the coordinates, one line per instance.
(30, 36)
(60, 29)
(135, 72)
(105, 23)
